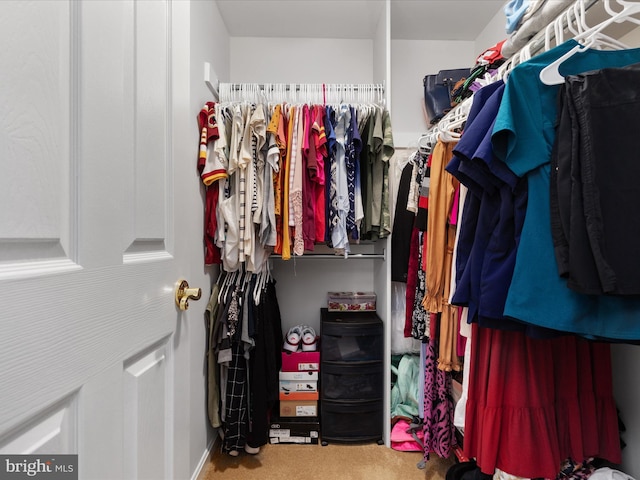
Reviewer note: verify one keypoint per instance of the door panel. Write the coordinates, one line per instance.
(90, 336)
(146, 426)
(51, 431)
(34, 135)
(151, 124)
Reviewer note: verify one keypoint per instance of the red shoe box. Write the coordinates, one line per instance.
(300, 361)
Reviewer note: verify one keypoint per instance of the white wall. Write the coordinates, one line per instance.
(209, 42)
(494, 32)
(380, 56)
(301, 60)
(411, 60)
(381, 50)
(303, 284)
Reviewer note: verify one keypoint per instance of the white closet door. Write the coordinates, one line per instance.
(93, 182)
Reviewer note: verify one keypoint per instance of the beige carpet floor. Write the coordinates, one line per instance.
(333, 462)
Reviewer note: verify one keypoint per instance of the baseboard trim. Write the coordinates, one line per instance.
(199, 471)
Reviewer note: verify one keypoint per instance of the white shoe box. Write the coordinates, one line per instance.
(298, 381)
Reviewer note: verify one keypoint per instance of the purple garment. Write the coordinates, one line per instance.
(439, 431)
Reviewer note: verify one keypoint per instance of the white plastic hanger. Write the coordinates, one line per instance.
(221, 275)
(550, 75)
(225, 286)
(427, 141)
(446, 127)
(257, 288)
(625, 4)
(454, 120)
(447, 136)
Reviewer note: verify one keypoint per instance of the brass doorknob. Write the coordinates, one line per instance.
(184, 293)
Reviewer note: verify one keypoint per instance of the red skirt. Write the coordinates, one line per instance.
(534, 403)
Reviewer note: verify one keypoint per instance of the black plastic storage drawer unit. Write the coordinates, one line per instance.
(352, 376)
(351, 382)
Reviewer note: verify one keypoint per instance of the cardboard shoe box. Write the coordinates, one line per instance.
(298, 408)
(294, 430)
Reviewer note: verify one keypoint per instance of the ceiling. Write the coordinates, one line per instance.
(358, 19)
(441, 20)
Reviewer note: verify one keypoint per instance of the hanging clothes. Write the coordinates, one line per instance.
(293, 178)
(211, 171)
(535, 274)
(594, 218)
(402, 228)
(534, 402)
(332, 218)
(233, 366)
(439, 430)
(339, 235)
(318, 174)
(295, 182)
(213, 375)
(537, 394)
(420, 318)
(386, 154)
(265, 362)
(526, 411)
(310, 168)
(438, 254)
(268, 233)
(245, 341)
(492, 219)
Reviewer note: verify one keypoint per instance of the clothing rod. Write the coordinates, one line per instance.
(335, 257)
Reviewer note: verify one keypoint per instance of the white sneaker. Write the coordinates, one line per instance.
(309, 339)
(292, 339)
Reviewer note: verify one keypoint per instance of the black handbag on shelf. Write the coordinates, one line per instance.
(437, 91)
